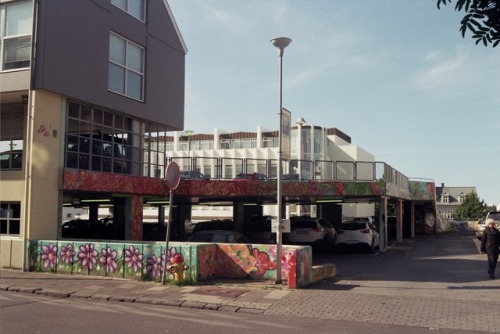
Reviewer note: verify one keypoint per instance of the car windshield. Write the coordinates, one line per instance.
(303, 224)
(353, 226)
(495, 216)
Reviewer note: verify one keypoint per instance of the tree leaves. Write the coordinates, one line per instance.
(482, 19)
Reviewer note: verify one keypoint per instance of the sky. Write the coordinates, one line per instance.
(394, 75)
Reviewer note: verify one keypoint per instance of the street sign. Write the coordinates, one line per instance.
(172, 175)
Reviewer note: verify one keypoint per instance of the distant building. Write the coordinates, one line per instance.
(448, 199)
(312, 149)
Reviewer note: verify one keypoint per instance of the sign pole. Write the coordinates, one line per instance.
(167, 237)
(172, 178)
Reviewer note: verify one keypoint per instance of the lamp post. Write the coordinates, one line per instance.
(281, 43)
(189, 133)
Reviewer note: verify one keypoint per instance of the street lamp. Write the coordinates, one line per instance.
(189, 133)
(281, 43)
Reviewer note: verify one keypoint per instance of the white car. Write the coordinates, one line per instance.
(357, 233)
(316, 232)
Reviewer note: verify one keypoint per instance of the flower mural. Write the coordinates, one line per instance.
(133, 258)
(108, 260)
(49, 256)
(87, 256)
(154, 266)
(145, 262)
(170, 255)
(67, 254)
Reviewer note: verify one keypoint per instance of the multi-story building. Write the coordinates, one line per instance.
(448, 199)
(84, 85)
(313, 152)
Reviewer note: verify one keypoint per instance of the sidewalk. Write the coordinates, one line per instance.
(222, 295)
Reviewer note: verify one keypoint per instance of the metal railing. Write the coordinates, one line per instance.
(321, 170)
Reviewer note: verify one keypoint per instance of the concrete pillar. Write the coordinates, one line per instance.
(180, 214)
(133, 214)
(412, 220)
(399, 221)
(242, 212)
(383, 224)
(331, 212)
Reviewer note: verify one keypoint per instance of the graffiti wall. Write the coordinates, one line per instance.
(147, 261)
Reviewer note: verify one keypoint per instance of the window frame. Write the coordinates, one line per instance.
(125, 5)
(126, 67)
(15, 37)
(10, 215)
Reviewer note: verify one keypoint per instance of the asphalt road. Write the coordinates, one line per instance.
(428, 284)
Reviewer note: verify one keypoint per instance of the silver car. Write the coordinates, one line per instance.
(316, 232)
(357, 233)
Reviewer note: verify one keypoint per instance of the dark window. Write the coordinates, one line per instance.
(10, 218)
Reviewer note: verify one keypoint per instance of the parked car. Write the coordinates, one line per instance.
(251, 176)
(258, 229)
(88, 229)
(194, 175)
(154, 232)
(495, 215)
(216, 224)
(357, 233)
(219, 236)
(479, 228)
(316, 232)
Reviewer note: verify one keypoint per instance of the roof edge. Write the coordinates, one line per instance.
(167, 6)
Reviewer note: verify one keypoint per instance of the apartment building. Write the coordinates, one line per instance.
(84, 85)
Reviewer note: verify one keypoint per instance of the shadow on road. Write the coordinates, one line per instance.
(452, 257)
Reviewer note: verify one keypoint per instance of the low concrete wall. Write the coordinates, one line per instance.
(146, 261)
(322, 272)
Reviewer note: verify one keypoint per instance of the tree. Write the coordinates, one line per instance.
(482, 19)
(471, 207)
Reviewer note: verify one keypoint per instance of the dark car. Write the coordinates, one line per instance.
(194, 175)
(250, 177)
(153, 232)
(88, 229)
(216, 224)
(258, 230)
(219, 236)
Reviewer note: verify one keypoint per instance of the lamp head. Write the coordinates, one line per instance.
(281, 43)
(301, 121)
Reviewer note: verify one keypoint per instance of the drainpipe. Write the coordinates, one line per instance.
(29, 139)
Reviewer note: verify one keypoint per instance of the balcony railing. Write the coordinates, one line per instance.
(305, 170)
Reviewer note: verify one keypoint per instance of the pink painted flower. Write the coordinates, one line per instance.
(87, 256)
(108, 260)
(133, 258)
(170, 255)
(154, 266)
(49, 256)
(67, 254)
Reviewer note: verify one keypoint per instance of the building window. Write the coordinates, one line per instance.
(136, 8)
(461, 198)
(445, 198)
(11, 143)
(15, 35)
(97, 140)
(126, 67)
(10, 218)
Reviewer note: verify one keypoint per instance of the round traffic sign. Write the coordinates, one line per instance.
(172, 175)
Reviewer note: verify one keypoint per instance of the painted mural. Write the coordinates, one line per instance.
(184, 263)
